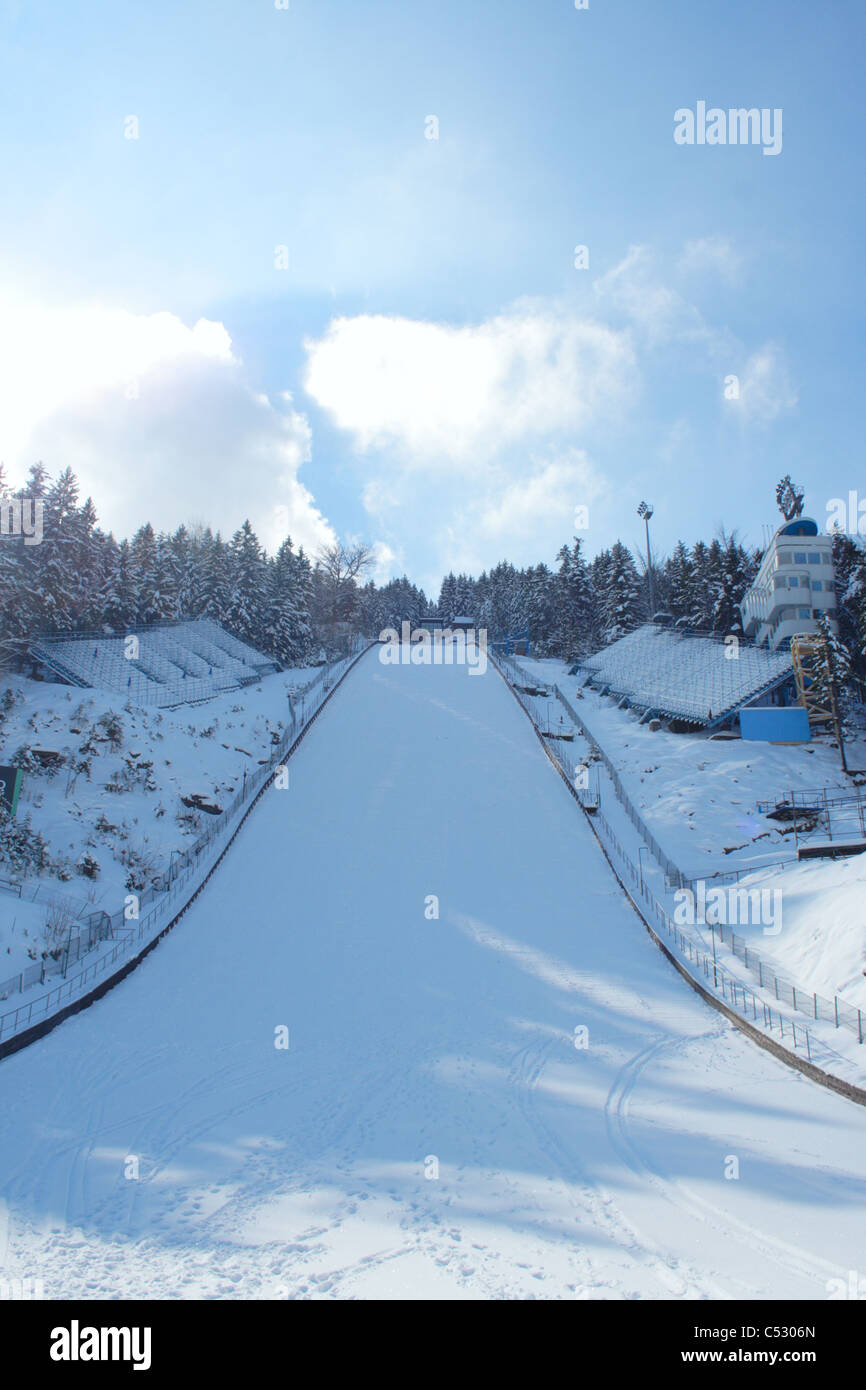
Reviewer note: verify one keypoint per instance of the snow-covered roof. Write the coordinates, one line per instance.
(176, 664)
(701, 679)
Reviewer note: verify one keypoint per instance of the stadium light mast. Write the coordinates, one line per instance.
(646, 511)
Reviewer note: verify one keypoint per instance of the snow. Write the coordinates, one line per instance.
(697, 678)
(205, 750)
(563, 1172)
(816, 939)
(699, 794)
(823, 939)
(182, 662)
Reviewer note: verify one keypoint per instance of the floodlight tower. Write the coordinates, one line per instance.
(646, 511)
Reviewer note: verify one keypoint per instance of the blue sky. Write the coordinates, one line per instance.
(431, 372)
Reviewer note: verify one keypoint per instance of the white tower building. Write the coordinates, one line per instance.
(794, 585)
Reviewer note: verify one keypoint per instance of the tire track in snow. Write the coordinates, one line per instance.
(677, 1278)
(792, 1258)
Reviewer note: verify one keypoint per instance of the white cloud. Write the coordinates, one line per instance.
(663, 318)
(765, 387)
(50, 358)
(443, 394)
(634, 289)
(544, 500)
(712, 255)
(386, 562)
(477, 442)
(156, 419)
(466, 433)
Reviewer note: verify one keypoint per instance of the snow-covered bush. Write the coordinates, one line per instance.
(143, 865)
(103, 826)
(22, 849)
(88, 866)
(59, 919)
(8, 700)
(24, 758)
(110, 726)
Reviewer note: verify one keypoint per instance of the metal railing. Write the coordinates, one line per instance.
(841, 813)
(126, 933)
(732, 990)
(672, 872)
(585, 789)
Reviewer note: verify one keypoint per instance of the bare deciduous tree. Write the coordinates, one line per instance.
(341, 566)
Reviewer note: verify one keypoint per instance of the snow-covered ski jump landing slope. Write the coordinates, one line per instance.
(432, 1130)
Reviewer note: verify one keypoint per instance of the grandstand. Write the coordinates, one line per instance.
(698, 679)
(167, 664)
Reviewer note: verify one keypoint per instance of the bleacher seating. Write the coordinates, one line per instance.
(698, 679)
(176, 663)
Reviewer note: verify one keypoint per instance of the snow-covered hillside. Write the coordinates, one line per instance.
(114, 808)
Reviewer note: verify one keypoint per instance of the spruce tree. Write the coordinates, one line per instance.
(246, 610)
(623, 606)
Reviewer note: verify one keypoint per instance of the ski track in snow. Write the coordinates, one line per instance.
(563, 1173)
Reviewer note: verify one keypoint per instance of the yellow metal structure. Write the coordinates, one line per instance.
(809, 655)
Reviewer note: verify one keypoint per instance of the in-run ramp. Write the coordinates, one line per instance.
(431, 1130)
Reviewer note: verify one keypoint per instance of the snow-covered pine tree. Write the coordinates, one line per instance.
(707, 570)
(22, 848)
(285, 629)
(114, 604)
(305, 639)
(833, 674)
(502, 601)
(849, 569)
(540, 601)
(574, 604)
(464, 597)
(177, 562)
(448, 597)
(732, 584)
(90, 546)
(249, 586)
(146, 575)
(681, 583)
(215, 586)
(854, 607)
(623, 605)
(56, 559)
(10, 585)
